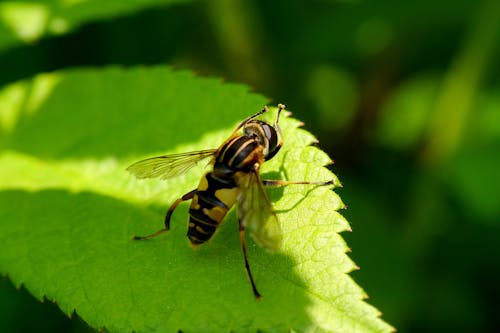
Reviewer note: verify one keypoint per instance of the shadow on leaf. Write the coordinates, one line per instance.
(75, 248)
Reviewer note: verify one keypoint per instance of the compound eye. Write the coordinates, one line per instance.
(268, 131)
(271, 136)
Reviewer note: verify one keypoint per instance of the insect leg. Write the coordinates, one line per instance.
(187, 196)
(272, 182)
(247, 266)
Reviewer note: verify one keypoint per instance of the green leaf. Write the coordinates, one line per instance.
(27, 22)
(68, 210)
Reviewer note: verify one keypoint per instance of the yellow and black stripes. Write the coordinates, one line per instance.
(210, 204)
(218, 190)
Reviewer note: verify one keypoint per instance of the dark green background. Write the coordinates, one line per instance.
(405, 97)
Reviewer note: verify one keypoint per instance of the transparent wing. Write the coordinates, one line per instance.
(257, 215)
(168, 166)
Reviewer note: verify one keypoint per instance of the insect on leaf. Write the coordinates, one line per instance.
(68, 210)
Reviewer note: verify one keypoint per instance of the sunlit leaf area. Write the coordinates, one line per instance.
(403, 97)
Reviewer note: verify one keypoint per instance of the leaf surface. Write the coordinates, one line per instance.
(68, 210)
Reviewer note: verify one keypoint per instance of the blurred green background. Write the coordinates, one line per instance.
(404, 96)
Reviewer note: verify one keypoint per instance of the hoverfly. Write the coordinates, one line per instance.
(234, 178)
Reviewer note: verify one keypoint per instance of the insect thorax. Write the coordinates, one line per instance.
(239, 154)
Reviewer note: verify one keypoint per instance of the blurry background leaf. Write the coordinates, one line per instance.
(334, 92)
(27, 22)
(404, 117)
(472, 173)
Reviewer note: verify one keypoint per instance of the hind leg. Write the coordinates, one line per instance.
(185, 197)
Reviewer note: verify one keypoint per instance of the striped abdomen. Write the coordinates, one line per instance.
(210, 204)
